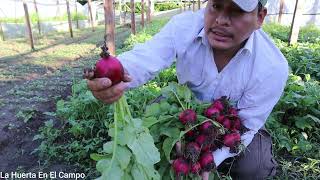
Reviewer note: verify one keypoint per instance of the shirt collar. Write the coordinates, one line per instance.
(247, 47)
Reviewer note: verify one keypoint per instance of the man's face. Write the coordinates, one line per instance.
(227, 26)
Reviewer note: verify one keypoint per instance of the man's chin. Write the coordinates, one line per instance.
(220, 46)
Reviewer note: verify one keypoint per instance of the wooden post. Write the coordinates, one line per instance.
(58, 8)
(1, 32)
(69, 18)
(199, 4)
(28, 24)
(90, 15)
(184, 6)
(280, 10)
(120, 12)
(109, 26)
(295, 26)
(77, 19)
(142, 13)
(149, 11)
(133, 19)
(193, 5)
(37, 13)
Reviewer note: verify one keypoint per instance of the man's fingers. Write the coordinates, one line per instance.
(108, 95)
(99, 84)
(127, 78)
(205, 175)
(108, 100)
(113, 99)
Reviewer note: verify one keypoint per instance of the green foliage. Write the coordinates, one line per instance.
(34, 18)
(303, 58)
(294, 125)
(164, 6)
(309, 33)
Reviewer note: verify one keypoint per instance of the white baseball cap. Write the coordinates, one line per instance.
(249, 5)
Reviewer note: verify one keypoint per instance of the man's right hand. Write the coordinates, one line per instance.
(103, 90)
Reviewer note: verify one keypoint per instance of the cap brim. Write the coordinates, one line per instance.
(246, 5)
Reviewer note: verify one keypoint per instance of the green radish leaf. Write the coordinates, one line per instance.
(149, 121)
(303, 123)
(125, 136)
(114, 172)
(144, 149)
(123, 156)
(184, 92)
(138, 173)
(151, 172)
(165, 106)
(108, 147)
(98, 157)
(126, 176)
(167, 147)
(170, 132)
(153, 110)
(315, 119)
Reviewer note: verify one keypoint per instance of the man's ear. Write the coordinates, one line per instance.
(261, 15)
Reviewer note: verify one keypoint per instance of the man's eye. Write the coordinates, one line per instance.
(216, 6)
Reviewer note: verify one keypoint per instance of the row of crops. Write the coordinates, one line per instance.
(294, 123)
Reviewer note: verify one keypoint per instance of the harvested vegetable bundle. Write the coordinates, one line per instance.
(131, 153)
(221, 127)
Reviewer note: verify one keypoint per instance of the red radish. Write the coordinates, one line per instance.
(206, 127)
(192, 151)
(232, 140)
(201, 139)
(220, 118)
(236, 124)
(206, 148)
(190, 133)
(226, 123)
(218, 105)
(207, 161)
(110, 67)
(180, 166)
(188, 116)
(209, 112)
(233, 111)
(196, 168)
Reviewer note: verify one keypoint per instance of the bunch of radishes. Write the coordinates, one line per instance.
(222, 128)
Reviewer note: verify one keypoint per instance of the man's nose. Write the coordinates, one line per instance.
(223, 18)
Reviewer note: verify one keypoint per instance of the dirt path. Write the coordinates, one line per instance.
(26, 97)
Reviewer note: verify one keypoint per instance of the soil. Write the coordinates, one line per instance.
(38, 89)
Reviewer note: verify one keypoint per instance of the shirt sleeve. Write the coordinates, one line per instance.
(145, 60)
(255, 106)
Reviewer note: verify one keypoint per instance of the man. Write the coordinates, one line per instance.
(219, 51)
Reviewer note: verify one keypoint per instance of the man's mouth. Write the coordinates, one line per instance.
(220, 35)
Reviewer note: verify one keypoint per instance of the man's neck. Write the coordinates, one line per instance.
(223, 57)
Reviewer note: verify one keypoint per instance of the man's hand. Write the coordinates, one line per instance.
(205, 175)
(102, 88)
